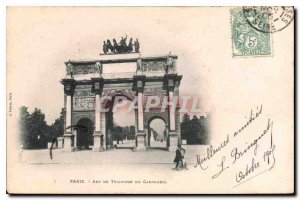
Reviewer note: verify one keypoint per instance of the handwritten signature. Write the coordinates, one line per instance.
(261, 161)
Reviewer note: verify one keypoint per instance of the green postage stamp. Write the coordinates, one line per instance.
(248, 41)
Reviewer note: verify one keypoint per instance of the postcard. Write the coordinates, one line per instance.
(150, 100)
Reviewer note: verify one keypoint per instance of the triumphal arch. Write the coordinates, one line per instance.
(131, 75)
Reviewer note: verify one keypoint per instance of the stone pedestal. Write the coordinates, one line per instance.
(139, 72)
(68, 142)
(50, 144)
(98, 141)
(60, 142)
(173, 141)
(140, 142)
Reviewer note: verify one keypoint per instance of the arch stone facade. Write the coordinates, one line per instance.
(85, 86)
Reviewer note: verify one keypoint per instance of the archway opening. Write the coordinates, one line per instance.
(157, 133)
(84, 135)
(120, 123)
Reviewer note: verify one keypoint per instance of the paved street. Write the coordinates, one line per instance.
(114, 156)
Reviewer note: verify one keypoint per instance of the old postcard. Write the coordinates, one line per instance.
(150, 100)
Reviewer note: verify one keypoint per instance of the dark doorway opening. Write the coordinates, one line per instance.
(85, 134)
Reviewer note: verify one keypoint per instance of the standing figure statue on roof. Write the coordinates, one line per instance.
(98, 68)
(136, 46)
(130, 46)
(123, 45)
(109, 47)
(139, 64)
(105, 49)
(115, 45)
(70, 70)
(169, 60)
(170, 64)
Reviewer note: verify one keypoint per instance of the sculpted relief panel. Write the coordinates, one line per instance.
(168, 65)
(84, 100)
(85, 103)
(154, 66)
(88, 68)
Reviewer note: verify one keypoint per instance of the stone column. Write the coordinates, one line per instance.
(140, 112)
(178, 127)
(167, 136)
(147, 143)
(172, 139)
(68, 135)
(103, 129)
(173, 136)
(98, 136)
(75, 138)
(138, 86)
(141, 136)
(69, 87)
(171, 110)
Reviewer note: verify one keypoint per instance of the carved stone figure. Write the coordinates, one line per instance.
(169, 60)
(139, 64)
(136, 46)
(130, 46)
(105, 49)
(116, 47)
(121, 47)
(171, 64)
(98, 68)
(110, 47)
(70, 69)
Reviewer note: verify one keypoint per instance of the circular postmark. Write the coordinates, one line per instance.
(269, 19)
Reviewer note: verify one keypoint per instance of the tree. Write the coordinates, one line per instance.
(57, 128)
(205, 129)
(23, 127)
(186, 118)
(155, 134)
(37, 128)
(33, 128)
(185, 126)
(132, 132)
(195, 130)
(194, 134)
(117, 133)
(165, 134)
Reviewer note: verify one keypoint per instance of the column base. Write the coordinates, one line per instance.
(98, 149)
(173, 141)
(60, 142)
(140, 142)
(98, 141)
(67, 144)
(139, 72)
(68, 149)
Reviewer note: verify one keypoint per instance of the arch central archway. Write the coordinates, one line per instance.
(157, 133)
(120, 124)
(84, 137)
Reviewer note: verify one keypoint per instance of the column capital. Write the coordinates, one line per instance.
(138, 83)
(97, 85)
(69, 85)
(171, 81)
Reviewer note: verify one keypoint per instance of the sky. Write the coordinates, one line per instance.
(40, 40)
